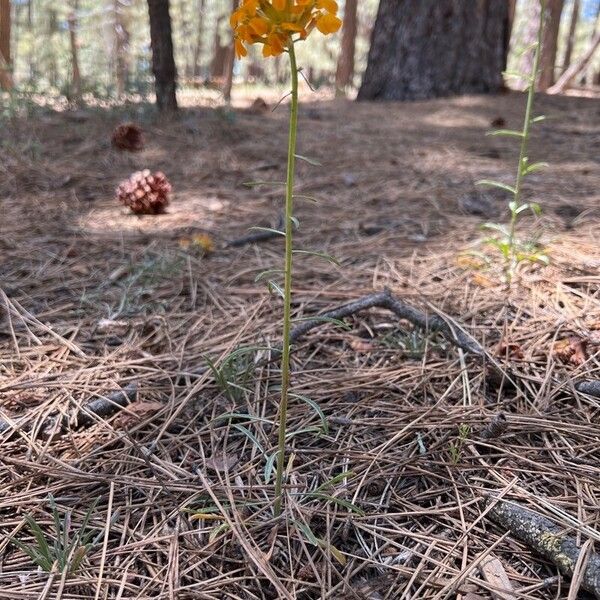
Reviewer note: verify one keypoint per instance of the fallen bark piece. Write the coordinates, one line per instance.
(102, 406)
(591, 387)
(492, 570)
(548, 539)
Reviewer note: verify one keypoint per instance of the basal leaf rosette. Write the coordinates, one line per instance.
(276, 24)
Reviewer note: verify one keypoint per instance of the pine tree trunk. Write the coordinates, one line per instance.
(229, 63)
(122, 38)
(431, 48)
(571, 37)
(554, 10)
(199, 41)
(163, 62)
(6, 82)
(74, 45)
(344, 75)
(218, 65)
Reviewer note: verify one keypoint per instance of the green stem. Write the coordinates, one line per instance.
(525, 140)
(287, 297)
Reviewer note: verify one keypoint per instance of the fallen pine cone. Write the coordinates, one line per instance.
(571, 350)
(128, 136)
(145, 193)
(495, 428)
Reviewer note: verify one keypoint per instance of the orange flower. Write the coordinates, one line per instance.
(274, 23)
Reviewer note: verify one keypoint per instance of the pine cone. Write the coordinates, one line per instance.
(128, 136)
(145, 193)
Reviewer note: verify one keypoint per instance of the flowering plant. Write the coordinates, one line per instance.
(278, 25)
(274, 24)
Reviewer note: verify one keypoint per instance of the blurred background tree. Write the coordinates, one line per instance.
(101, 49)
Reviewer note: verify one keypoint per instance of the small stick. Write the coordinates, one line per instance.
(548, 539)
(386, 300)
(102, 406)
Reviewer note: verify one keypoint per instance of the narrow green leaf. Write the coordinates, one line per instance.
(310, 161)
(217, 531)
(270, 466)
(497, 184)
(496, 227)
(269, 229)
(505, 133)
(339, 501)
(327, 257)
(40, 538)
(532, 168)
(536, 209)
(337, 554)
(538, 119)
(335, 480)
(304, 197)
(275, 288)
(261, 183)
(251, 437)
(295, 222)
(316, 408)
(311, 538)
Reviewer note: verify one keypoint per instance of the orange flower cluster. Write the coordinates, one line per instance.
(273, 23)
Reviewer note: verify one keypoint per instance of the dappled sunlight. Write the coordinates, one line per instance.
(185, 211)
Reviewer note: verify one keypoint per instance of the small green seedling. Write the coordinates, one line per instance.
(66, 547)
(456, 447)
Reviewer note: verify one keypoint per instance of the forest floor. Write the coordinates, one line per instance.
(387, 480)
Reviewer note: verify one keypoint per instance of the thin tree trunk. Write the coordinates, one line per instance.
(571, 37)
(6, 80)
(229, 63)
(199, 41)
(429, 48)
(218, 64)
(576, 68)
(554, 10)
(344, 74)
(121, 46)
(163, 61)
(75, 71)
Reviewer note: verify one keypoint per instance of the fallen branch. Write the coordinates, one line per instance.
(259, 236)
(548, 539)
(102, 406)
(591, 387)
(574, 70)
(385, 299)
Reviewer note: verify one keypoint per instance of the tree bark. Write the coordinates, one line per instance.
(571, 38)
(75, 71)
(554, 10)
(431, 48)
(199, 41)
(229, 63)
(163, 62)
(344, 74)
(218, 65)
(6, 81)
(121, 46)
